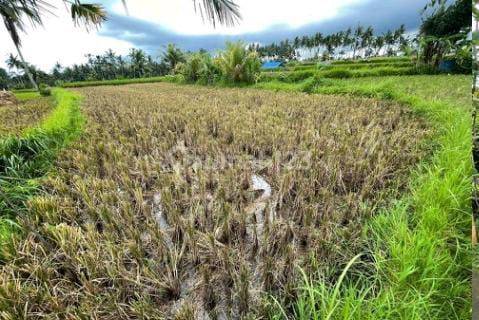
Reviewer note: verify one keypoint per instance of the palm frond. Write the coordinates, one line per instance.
(88, 14)
(225, 12)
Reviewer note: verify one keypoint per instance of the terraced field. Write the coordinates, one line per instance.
(16, 118)
(182, 201)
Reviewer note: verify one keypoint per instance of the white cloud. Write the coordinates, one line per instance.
(58, 40)
(180, 16)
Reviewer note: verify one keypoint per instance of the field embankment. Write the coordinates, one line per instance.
(28, 148)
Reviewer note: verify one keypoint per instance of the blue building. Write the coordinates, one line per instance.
(271, 65)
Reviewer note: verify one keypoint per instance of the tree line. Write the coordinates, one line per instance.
(358, 42)
(107, 66)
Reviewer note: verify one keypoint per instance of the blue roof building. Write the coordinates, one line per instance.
(270, 65)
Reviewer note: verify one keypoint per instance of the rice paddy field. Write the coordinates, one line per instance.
(350, 201)
(16, 118)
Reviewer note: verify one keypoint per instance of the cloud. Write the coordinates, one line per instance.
(58, 40)
(264, 21)
(180, 16)
(381, 14)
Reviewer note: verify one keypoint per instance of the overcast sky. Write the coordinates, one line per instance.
(154, 23)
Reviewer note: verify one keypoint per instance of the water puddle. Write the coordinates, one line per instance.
(159, 215)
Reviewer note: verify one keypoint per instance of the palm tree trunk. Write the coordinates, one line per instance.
(126, 7)
(25, 68)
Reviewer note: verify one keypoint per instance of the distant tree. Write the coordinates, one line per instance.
(173, 55)
(367, 39)
(356, 40)
(4, 79)
(138, 61)
(444, 29)
(15, 12)
(237, 64)
(57, 71)
(389, 40)
(378, 44)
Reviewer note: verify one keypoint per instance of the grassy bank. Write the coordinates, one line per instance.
(418, 251)
(26, 158)
(117, 82)
(340, 72)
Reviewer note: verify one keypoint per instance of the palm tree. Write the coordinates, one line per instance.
(378, 44)
(389, 40)
(13, 13)
(356, 39)
(366, 38)
(138, 61)
(173, 55)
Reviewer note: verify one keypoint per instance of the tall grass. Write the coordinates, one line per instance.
(26, 158)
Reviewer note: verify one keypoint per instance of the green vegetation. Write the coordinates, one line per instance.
(344, 72)
(44, 90)
(374, 60)
(239, 65)
(25, 158)
(26, 95)
(118, 82)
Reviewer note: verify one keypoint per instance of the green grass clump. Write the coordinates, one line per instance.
(375, 72)
(357, 66)
(25, 158)
(26, 95)
(287, 76)
(344, 73)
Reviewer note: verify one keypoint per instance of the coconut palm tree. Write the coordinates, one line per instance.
(14, 13)
(173, 55)
(378, 44)
(356, 41)
(366, 39)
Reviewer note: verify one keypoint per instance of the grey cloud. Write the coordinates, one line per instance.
(381, 14)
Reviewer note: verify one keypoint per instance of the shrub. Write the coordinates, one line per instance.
(44, 90)
(238, 64)
(199, 67)
(463, 59)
